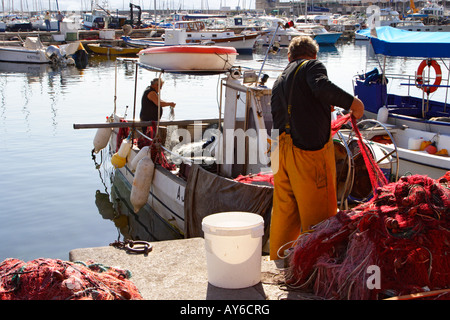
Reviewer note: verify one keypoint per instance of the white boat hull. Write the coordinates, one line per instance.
(415, 123)
(187, 61)
(22, 55)
(416, 161)
(412, 163)
(244, 45)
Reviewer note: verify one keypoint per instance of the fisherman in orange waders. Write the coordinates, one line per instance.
(303, 160)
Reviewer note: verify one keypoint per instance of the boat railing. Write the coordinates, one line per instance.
(410, 81)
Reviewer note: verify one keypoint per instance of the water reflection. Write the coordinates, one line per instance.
(32, 86)
(30, 69)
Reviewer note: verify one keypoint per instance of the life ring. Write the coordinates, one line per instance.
(437, 69)
(183, 18)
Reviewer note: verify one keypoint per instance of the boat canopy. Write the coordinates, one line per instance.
(391, 41)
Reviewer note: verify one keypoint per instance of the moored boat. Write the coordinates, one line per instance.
(410, 110)
(319, 33)
(32, 51)
(109, 50)
(196, 32)
(415, 108)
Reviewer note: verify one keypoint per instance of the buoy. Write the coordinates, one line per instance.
(431, 149)
(424, 144)
(142, 153)
(383, 114)
(118, 161)
(141, 183)
(101, 139)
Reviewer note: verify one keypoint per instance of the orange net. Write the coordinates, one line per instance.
(53, 279)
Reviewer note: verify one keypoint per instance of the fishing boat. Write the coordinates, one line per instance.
(414, 108)
(190, 178)
(172, 37)
(110, 50)
(195, 33)
(189, 58)
(202, 166)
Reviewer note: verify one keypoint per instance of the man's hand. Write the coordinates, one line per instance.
(357, 108)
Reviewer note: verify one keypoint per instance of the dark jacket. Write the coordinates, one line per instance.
(313, 94)
(149, 110)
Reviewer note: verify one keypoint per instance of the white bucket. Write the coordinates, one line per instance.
(414, 143)
(233, 242)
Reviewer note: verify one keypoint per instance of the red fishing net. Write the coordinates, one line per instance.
(398, 243)
(53, 279)
(259, 178)
(157, 153)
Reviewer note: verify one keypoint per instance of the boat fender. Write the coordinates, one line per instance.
(142, 183)
(125, 148)
(101, 138)
(430, 63)
(142, 153)
(383, 114)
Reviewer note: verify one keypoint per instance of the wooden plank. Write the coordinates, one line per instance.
(139, 124)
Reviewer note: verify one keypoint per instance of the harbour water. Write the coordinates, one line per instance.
(49, 180)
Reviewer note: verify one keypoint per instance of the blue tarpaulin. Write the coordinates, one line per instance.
(390, 41)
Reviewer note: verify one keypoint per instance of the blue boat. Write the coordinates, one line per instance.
(418, 112)
(319, 33)
(415, 120)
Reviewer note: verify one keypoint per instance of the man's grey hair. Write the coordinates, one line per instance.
(303, 46)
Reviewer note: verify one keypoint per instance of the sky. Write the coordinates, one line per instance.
(77, 5)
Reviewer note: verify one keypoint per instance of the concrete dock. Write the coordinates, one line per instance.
(177, 270)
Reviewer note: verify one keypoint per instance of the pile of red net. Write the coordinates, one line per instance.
(396, 244)
(53, 279)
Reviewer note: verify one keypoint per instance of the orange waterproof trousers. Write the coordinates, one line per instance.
(304, 191)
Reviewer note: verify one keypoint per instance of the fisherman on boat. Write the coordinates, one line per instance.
(305, 176)
(150, 101)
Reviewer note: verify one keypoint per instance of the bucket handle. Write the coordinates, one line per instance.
(255, 232)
